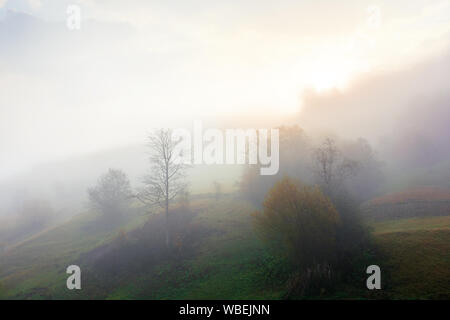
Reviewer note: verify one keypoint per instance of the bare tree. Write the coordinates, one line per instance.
(166, 180)
(331, 167)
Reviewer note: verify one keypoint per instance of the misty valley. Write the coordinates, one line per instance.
(225, 150)
(309, 231)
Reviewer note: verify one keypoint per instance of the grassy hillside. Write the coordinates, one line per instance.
(36, 268)
(416, 257)
(219, 257)
(412, 224)
(229, 262)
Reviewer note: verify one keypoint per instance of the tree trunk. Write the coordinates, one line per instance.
(167, 211)
(167, 224)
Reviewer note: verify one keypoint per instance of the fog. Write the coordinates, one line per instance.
(380, 104)
(343, 108)
(75, 103)
(143, 65)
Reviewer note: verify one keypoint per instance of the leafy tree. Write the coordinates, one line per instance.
(336, 171)
(112, 194)
(299, 222)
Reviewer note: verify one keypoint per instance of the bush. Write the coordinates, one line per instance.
(300, 223)
(352, 237)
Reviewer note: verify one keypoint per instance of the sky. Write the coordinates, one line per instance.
(136, 65)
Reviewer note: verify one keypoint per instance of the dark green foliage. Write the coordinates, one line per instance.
(352, 236)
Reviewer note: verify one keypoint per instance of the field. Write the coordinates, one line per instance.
(225, 261)
(428, 193)
(412, 224)
(416, 202)
(416, 255)
(226, 265)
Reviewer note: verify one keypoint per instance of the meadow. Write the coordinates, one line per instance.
(225, 261)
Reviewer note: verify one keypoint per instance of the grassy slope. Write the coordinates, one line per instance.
(36, 268)
(416, 256)
(229, 264)
(411, 224)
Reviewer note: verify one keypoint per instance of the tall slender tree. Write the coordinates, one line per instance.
(167, 177)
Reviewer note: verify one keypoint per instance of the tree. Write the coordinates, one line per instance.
(294, 159)
(299, 222)
(112, 194)
(331, 167)
(370, 172)
(334, 171)
(166, 180)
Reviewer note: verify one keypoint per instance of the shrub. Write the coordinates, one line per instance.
(300, 223)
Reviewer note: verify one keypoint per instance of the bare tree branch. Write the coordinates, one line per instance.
(167, 178)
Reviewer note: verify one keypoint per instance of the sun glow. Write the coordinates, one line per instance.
(325, 80)
(332, 73)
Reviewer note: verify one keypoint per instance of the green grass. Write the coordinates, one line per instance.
(229, 263)
(37, 268)
(416, 256)
(418, 263)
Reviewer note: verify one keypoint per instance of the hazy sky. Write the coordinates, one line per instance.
(135, 65)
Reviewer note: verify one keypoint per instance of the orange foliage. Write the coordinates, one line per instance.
(299, 221)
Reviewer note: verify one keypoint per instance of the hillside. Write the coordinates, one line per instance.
(226, 260)
(218, 257)
(415, 202)
(416, 256)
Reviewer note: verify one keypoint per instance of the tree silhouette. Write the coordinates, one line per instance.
(166, 179)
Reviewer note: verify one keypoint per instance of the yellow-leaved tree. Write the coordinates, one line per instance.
(300, 223)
